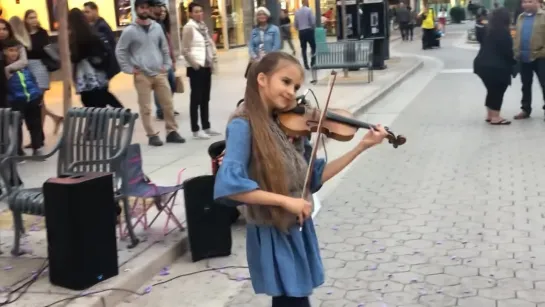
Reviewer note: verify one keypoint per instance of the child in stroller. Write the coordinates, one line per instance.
(438, 34)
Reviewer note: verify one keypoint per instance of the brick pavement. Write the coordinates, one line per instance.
(161, 164)
(453, 218)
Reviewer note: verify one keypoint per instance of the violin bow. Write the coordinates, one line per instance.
(332, 79)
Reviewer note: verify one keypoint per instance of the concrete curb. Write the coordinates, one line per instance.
(363, 106)
(142, 269)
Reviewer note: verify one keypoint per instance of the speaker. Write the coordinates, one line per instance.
(208, 223)
(80, 216)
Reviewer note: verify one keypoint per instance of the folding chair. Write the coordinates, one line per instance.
(148, 195)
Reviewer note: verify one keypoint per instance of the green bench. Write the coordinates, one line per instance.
(349, 54)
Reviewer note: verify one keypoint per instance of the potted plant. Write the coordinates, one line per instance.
(457, 14)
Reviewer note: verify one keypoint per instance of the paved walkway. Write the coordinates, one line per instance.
(453, 218)
(162, 164)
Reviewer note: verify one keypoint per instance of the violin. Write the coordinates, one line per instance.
(338, 124)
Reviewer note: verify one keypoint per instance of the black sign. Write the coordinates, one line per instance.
(374, 19)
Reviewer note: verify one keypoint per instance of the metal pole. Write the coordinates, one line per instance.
(174, 28)
(318, 13)
(64, 53)
(344, 28)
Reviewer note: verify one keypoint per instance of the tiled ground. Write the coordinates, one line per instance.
(455, 217)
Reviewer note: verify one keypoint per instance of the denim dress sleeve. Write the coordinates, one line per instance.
(318, 170)
(277, 43)
(252, 48)
(232, 177)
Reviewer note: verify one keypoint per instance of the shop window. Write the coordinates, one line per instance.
(235, 22)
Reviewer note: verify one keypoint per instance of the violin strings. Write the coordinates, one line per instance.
(323, 137)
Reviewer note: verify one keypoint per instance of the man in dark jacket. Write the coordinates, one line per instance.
(403, 17)
(105, 32)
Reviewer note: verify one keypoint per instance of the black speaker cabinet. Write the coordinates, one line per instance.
(80, 216)
(208, 223)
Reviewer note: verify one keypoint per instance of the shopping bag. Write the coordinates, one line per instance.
(179, 85)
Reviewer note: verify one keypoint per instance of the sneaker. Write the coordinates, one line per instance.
(211, 132)
(155, 141)
(160, 117)
(175, 137)
(200, 135)
(176, 113)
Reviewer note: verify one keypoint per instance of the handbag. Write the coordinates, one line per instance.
(50, 64)
(179, 84)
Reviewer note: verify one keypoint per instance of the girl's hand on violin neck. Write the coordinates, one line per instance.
(373, 137)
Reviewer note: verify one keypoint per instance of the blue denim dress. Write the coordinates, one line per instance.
(279, 263)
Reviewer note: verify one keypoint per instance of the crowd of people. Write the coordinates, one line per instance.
(501, 58)
(144, 50)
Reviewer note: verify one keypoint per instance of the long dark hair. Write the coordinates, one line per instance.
(8, 27)
(81, 34)
(266, 163)
(166, 21)
(27, 26)
(500, 20)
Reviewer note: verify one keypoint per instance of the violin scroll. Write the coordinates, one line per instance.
(395, 140)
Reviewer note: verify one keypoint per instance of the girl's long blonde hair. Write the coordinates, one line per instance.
(20, 32)
(267, 165)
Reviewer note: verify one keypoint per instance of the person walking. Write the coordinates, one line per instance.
(403, 17)
(285, 30)
(428, 28)
(90, 57)
(37, 59)
(265, 37)
(161, 16)
(529, 48)
(199, 52)
(442, 19)
(106, 34)
(412, 22)
(305, 23)
(142, 50)
(495, 64)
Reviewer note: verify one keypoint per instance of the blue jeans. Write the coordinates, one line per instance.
(172, 82)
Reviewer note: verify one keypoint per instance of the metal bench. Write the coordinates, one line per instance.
(93, 140)
(349, 54)
(8, 148)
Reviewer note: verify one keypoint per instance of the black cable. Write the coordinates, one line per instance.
(26, 285)
(73, 297)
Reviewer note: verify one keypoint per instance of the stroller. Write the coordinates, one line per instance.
(436, 43)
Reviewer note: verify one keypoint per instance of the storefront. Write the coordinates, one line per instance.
(115, 12)
(229, 20)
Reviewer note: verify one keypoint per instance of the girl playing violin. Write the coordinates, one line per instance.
(265, 170)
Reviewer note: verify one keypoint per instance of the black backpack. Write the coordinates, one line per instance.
(109, 60)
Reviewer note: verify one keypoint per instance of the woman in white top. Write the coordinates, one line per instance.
(442, 16)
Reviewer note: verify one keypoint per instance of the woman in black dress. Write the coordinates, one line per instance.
(495, 64)
(37, 60)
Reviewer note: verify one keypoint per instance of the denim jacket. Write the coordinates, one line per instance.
(271, 41)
